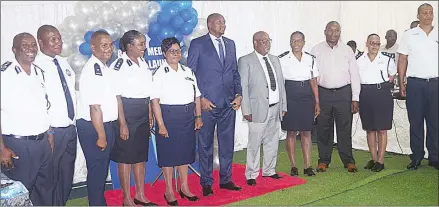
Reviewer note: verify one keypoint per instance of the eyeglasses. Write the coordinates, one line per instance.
(174, 52)
(266, 41)
(375, 43)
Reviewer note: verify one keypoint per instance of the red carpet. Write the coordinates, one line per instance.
(220, 196)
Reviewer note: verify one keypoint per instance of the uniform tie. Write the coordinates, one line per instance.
(270, 74)
(68, 97)
(221, 50)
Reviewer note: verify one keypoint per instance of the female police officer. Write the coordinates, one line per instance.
(134, 81)
(175, 90)
(376, 113)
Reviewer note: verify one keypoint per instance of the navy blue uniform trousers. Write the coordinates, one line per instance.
(64, 155)
(422, 103)
(225, 119)
(97, 161)
(33, 168)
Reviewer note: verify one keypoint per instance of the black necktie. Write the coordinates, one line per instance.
(68, 97)
(270, 74)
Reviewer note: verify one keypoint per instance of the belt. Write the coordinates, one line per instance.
(378, 85)
(33, 137)
(271, 105)
(334, 89)
(424, 79)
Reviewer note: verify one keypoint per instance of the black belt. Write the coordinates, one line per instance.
(33, 137)
(334, 89)
(424, 79)
(271, 105)
(378, 85)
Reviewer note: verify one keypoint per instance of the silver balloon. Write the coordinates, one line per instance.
(152, 11)
(141, 24)
(76, 41)
(125, 15)
(77, 61)
(106, 13)
(84, 8)
(91, 22)
(112, 29)
(66, 49)
(73, 24)
(127, 27)
(201, 28)
(187, 40)
(137, 6)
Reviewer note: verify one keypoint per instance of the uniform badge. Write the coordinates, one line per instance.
(118, 64)
(166, 69)
(68, 72)
(129, 63)
(189, 79)
(5, 65)
(98, 69)
(18, 69)
(283, 54)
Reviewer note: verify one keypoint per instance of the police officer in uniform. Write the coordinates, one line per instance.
(97, 115)
(377, 70)
(177, 109)
(60, 88)
(26, 141)
(300, 72)
(134, 79)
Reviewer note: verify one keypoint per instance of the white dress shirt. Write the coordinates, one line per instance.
(376, 71)
(97, 87)
(273, 96)
(299, 70)
(23, 101)
(58, 111)
(174, 87)
(134, 81)
(422, 51)
(216, 44)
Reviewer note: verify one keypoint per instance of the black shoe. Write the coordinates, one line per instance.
(274, 176)
(251, 182)
(172, 203)
(369, 165)
(207, 190)
(377, 167)
(138, 202)
(230, 186)
(294, 171)
(434, 164)
(309, 171)
(414, 165)
(190, 198)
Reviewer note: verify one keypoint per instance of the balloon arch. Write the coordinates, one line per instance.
(156, 19)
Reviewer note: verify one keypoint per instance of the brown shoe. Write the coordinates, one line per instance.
(352, 168)
(321, 167)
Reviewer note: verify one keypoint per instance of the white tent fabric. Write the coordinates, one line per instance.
(243, 18)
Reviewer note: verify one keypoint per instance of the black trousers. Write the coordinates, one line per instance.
(33, 168)
(422, 104)
(64, 155)
(335, 104)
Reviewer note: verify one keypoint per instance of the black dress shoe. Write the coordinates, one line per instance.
(274, 176)
(251, 182)
(294, 171)
(414, 165)
(309, 171)
(207, 190)
(190, 198)
(230, 186)
(138, 202)
(172, 203)
(369, 165)
(377, 167)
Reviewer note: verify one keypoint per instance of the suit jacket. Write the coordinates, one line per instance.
(255, 87)
(217, 82)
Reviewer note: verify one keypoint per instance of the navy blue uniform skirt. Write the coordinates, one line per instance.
(135, 148)
(376, 106)
(179, 147)
(300, 106)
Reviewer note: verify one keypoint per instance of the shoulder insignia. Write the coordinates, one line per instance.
(129, 63)
(118, 64)
(359, 55)
(189, 79)
(166, 69)
(310, 54)
(182, 67)
(5, 65)
(390, 55)
(98, 69)
(18, 69)
(283, 54)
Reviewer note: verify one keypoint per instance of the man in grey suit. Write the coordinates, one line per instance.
(263, 106)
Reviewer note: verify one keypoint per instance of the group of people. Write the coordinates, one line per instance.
(119, 104)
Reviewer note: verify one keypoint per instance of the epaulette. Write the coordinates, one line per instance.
(310, 54)
(283, 54)
(98, 69)
(182, 67)
(390, 55)
(129, 62)
(5, 65)
(141, 58)
(166, 69)
(42, 71)
(118, 64)
(359, 55)
(155, 70)
(18, 69)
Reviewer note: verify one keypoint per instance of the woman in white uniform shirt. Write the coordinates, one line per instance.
(177, 109)
(376, 113)
(300, 72)
(134, 79)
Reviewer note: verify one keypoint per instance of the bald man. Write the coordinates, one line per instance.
(391, 46)
(26, 141)
(97, 115)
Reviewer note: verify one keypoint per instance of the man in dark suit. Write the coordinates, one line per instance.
(212, 58)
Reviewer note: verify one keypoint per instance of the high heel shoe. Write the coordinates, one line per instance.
(138, 202)
(190, 198)
(172, 203)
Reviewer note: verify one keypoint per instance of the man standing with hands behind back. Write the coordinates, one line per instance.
(212, 58)
(339, 91)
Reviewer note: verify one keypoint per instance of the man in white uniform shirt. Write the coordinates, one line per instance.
(26, 153)
(418, 60)
(263, 106)
(60, 89)
(97, 115)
